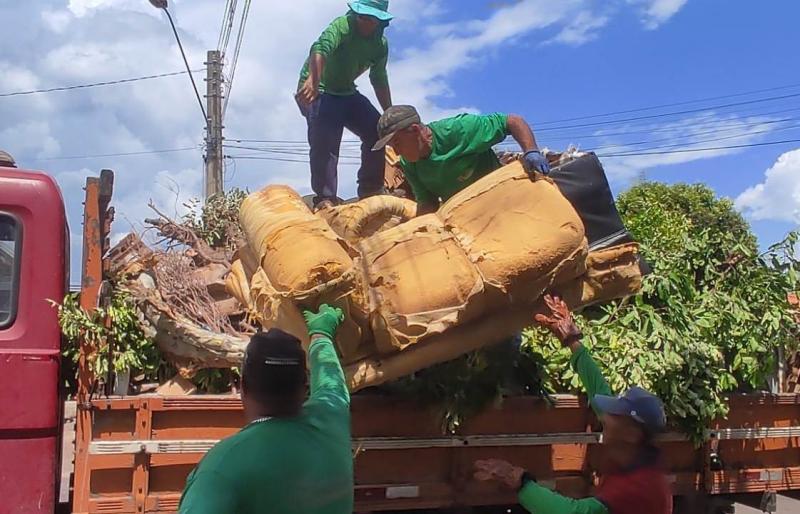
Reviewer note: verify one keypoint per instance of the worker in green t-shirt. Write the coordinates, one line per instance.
(633, 479)
(328, 98)
(443, 157)
(294, 455)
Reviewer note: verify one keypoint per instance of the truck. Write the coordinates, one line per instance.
(133, 452)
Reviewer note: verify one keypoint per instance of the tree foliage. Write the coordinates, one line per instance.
(130, 348)
(217, 220)
(710, 316)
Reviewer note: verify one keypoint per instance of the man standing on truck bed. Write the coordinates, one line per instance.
(293, 456)
(634, 482)
(330, 102)
(443, 157)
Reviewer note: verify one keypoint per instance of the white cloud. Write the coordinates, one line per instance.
(777, 198)
(70, 42)
(56, 20)
(677, 142)
(656, 12)
(583, 28)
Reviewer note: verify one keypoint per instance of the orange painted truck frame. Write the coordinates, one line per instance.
(132, 454)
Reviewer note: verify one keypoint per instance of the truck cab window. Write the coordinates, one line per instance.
(9, 269)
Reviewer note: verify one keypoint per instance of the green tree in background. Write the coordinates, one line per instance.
(709, 318)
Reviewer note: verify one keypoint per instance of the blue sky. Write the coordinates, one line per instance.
(545, 59)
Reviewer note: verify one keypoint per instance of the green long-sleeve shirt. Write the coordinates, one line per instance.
(287, 465)
(347, 55)
(540, 500)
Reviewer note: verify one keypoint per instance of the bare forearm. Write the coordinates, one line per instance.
(316, 65)
(384, 95)
(521, 132)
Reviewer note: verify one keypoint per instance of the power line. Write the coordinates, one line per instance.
(708, 149)
(124, 154)
(674, 104)
(186, 62)
(674, 113)
(674, 128)
(227, 25)
(714, 131)
(647, 129)
(98, 84)
(342, 160)
(238, 48)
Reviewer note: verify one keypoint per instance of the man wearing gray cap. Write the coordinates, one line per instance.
(6, 161)
(441, 158)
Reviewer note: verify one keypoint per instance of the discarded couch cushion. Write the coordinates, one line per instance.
(516, 231)
(300, 254)
(420, 282)
(364, 218)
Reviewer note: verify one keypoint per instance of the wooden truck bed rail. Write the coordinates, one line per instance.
(141, 449)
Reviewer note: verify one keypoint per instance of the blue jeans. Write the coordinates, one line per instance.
(327, 118)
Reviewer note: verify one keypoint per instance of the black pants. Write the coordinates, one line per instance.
(327, 118)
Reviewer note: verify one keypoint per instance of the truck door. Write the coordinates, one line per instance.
(32, 271)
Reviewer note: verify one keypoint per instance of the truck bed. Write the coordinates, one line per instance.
(142, 448)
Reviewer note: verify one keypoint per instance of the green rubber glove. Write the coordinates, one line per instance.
(325, 322)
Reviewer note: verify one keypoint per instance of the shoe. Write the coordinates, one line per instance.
(323, 204)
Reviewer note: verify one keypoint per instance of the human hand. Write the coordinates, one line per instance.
(534, 161)
(559, 320)
(501, 471)
(325, 322)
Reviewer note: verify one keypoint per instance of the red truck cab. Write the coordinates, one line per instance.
(34, 262)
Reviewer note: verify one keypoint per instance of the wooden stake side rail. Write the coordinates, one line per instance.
(140, 450)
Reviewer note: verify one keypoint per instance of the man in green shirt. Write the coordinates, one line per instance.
(633, 481)
(328, 99)
(443, 157)
(292, 457)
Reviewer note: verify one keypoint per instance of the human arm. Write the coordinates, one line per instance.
(384, 95)
(532, 158)
(327, 377)
(309, 91)
(379, 79)
(532, 496)
(324, 46)
(519, 129)
(208, 492)
(558, 319)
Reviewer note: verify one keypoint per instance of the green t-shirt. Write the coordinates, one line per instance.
(348, 54)
(461, 154)
(284, 465)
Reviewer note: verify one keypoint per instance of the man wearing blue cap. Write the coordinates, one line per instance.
(634, 482)
(330, 102)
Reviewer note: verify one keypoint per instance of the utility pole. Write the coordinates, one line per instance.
(214, 155)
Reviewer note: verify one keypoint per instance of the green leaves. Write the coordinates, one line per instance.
(217, 221)
(130, 348)
(709, 318)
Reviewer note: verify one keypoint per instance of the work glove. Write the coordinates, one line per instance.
(559, 320)
(533, 161)
(503, 472)
(325, 322)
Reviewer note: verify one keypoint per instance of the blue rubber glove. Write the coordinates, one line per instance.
(325, 322)
(533, 160)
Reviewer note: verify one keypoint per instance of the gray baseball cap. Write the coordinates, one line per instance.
(393, 120)
(6, 160)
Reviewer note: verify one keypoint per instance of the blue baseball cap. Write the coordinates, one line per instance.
(636, 403)
(376, 8)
